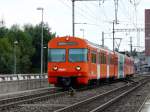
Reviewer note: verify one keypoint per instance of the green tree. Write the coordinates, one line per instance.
(3, 31)
(35, 34)
(25, 50)
(28, 48)
(6, 56)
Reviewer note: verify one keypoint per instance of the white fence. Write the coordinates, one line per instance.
(8, 77)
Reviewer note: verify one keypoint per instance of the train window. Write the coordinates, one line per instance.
(108, 59)
(78, 55)
(111, 60)
(99, 58)
(57, 55)
(115, 61)
(103, 58)
(93, 57)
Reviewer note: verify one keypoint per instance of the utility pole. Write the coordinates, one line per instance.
(15, 59)
(113, 35)
(103, 39)
(73, 18)
(82, 32)
(131, 44)
(42, 10)
(116, 10)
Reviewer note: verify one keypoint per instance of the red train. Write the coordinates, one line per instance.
(74, 61)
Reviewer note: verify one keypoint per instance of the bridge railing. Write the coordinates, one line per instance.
(14, 77)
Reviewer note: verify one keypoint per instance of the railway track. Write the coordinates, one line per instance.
(32, 98)
(52, 97)
(102, 101)
(8, 103)
(14, 101)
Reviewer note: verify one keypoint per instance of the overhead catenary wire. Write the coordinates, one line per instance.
(83, 15)
(95, 13)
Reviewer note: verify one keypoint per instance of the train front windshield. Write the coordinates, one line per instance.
(57, 55)
(78, 55)
(75, 55)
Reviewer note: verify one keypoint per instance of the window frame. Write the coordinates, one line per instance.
(57, 61)
(95, 60)
(78, 61)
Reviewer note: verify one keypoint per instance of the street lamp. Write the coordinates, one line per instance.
(41, 9)
(44, 58)
(82, 32)
(15, 59)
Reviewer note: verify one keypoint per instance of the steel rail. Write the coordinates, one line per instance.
(110, 102)
(79, 104)
(11, 102)
(32, 100)
(140, 108)
(31, 94)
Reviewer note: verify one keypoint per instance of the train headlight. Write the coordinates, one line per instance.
(55, 68)
(78, 68)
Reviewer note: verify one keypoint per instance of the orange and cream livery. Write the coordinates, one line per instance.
(74, 61)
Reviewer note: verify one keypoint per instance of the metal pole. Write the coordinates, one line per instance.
(42, 9)
(73, 18)
(15, 59)
(103, 39)
(131, 44)
(116, 10)
(42, 45)
(44, 59)
(113, 36)
(82, 32)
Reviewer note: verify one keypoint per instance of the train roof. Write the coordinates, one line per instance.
(89, 43)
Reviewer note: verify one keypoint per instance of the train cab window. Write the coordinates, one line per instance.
(57, 55)
(93, 57)
(78, 55)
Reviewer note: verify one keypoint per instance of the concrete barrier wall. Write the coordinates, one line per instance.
(12, 77)
(21, 85)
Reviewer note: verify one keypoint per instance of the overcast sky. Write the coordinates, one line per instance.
(97, 15)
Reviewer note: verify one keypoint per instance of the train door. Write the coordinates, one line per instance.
(98, 64)
(108, 64)
(126, 71)
(103, 65)
(115, 65)
(93, 65)
(111, 66)
(121, 66)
